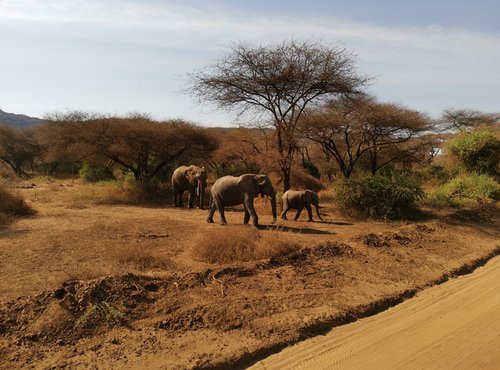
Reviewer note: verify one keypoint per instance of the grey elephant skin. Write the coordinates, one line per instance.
(298, 199)
(231, 191)
(192, 179)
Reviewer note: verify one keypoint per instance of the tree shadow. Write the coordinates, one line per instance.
(301, 230)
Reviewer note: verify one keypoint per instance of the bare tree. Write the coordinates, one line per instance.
(467, 119)
(349, 129)
(278, 82)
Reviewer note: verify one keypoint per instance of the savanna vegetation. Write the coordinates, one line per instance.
(117, 277)
(313, 126)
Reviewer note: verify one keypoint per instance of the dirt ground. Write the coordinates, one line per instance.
(109, 286)
(449, 326)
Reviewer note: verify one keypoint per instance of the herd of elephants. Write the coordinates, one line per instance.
(229, 191)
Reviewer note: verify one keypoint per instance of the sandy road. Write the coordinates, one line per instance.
(455, 325)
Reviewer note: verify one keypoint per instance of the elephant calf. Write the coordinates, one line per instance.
(297, 199)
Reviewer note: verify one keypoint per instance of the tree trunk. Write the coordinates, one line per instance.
(285, 173)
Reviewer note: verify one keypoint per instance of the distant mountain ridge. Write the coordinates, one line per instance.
(18, 120)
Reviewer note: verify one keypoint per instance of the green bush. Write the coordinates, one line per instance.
(93, 173)
(478, 151)
(435, 173)
(475, 186)
(439, 200)
(380, 197)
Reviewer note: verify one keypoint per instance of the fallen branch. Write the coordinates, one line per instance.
(221, 285)
(176, 284)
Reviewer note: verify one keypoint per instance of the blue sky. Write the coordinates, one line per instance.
(134, 56)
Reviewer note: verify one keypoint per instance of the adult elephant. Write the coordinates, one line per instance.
(297, 199)
(192, 179)
(231, 191)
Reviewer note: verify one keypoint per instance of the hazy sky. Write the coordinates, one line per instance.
(119, 56)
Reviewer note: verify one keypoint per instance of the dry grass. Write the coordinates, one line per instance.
(138, 257)
(12, 204)
(240, 244)
(117, 193)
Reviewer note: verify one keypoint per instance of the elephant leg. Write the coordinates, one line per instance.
(309, 212)
(247, 217)
(317, 211)
(174, 190)
(251, 210)
(220, 207)
(179, 195)
(176, 196)
(210, 217)
(190, 198)
(299, 209)
(283, 214)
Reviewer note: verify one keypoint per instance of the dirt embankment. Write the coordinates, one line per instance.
(188, 314)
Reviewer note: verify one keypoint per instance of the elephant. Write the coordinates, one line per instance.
(230, 191)
(193, 179)
(298, 199)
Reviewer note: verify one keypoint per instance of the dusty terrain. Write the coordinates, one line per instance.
(450, 326)
(108, 286)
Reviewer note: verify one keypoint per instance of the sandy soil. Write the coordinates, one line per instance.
(109, 286)
(450, 326)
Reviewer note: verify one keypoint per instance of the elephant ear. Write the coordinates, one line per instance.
(190, 174)
(246, 184)
(260, 182)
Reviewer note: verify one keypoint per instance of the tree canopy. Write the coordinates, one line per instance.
(278, 82)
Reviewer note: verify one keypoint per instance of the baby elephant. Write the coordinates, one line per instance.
(298, 199)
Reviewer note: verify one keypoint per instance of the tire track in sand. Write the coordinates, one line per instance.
(455, 325)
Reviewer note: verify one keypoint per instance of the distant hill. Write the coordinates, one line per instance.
(18, 120)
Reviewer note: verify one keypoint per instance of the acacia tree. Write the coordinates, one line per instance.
(17, 148)
(338, 128)
(278, 82)
(391, 129)
(467, 119)
(242, 150)
(136, 143)
(349, 129)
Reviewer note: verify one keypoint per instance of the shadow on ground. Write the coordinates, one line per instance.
(302, 230)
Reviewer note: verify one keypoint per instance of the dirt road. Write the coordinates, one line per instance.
(455, 325)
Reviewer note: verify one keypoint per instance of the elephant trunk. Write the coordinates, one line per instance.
(201, 193)
(273, 206)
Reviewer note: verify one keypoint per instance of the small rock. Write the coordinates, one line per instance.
(60, 342)
(114, 341)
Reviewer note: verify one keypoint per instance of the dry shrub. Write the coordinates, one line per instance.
(13, 204)
(76, 204)
(137, 256)
(239, 244)
(274, 245)
(4, 219)
(110, 193)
